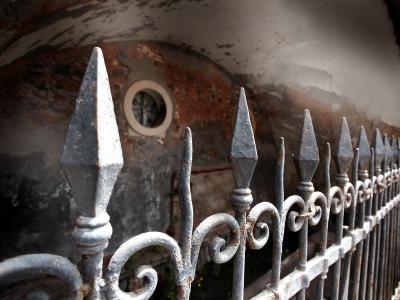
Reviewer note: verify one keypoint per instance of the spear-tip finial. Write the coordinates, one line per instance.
(92, 155)
(388, 150)
(395, 149)
(243, 149)
(363, 149)
(379, 148)
(343, 154)
(307, 158)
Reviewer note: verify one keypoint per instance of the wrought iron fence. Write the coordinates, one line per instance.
(362, 259)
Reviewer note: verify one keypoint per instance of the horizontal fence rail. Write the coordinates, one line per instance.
(361, 209)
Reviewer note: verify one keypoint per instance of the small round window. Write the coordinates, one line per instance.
(148, 108)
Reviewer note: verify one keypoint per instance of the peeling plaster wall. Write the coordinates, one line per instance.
(334, 50)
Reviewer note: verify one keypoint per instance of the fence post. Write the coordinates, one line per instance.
(343, 157)
(379, 153)
(92, 159)
(360, 280)
(394, 218)
(382, 287)
(306, 161)
(243, 158)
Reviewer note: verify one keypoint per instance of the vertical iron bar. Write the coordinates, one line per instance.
(388, 290)
(393, 217)
(324, 227)
(345, 285)
(379, 149)
(377, 251)
(360, 224)
(382, 267)
(371, 211)
(398, 212)
(387, 284)
(279, 199)
(366, 253)
(393, 213)
(186, 209)
(396, 234)
(391, 250)
(395, 194)
(305, 190)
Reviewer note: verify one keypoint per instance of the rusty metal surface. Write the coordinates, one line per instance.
(369, 197)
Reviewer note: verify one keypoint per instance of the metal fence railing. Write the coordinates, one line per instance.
(362, 261)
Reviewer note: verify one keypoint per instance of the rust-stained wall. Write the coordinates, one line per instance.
(40, 91)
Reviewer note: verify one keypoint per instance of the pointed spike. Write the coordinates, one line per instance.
(398, 145)
(398, 152)
(307, 159)
(328, 152)
(344, 150)
(188, 146)
(395, 149)
(92, 154)
(388, 150)
(185, 197)
(364, 152)
(279, 177)
(243, 149)
(356, 162)
(372, 163)
(326, 172)
(379, 148)
(371, 175)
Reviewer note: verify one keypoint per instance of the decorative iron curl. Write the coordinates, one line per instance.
(127, 250)
(31, 264)
(217, 255)
(335, 199)
(295, 220)
(262, 239)
(368, 190)
(252, 223)
(379, 183)
(349, 194)
(396, 174)
(360, 191)
(318, 205)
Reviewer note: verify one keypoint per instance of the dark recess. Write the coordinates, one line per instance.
(394, 13)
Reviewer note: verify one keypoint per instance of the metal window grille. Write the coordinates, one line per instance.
(362, 259)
